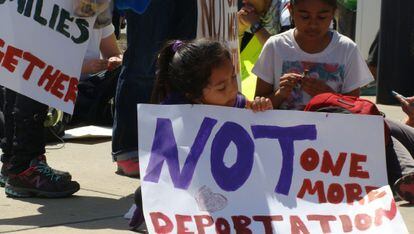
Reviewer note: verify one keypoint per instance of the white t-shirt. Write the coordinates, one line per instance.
(340, 65)
(93, 51)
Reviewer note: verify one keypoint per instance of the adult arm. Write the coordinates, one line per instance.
(111, 52)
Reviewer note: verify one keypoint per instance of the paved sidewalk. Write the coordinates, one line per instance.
(104, 196)
(97, 208)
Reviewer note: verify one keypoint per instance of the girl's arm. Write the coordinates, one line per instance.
(287, 83)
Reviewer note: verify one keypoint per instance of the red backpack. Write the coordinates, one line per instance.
(337, 103)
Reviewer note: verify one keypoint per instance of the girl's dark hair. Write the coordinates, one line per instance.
(185, 67)
(333, 3)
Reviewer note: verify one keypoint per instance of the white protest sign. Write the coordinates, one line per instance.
(217, 19)
(42, 45)
(209, 169)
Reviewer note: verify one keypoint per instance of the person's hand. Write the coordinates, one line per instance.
(114, 62)
(260, 104)
(313, 86)
(287, 82)
(247, 16)
(94, 66)
(407, 105)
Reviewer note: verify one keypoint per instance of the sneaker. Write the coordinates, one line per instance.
(404, 187)
(66, 175)
(129, 167)
(39, 180)
(3, 173)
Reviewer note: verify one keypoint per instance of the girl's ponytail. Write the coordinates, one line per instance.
(162, 84)
(185, 68)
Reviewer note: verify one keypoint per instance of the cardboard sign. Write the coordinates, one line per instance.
(217, 20)
(42, 45)
(209, 169)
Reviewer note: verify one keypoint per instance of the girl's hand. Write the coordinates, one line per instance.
(313, 86)
(248, 16)
(287, 82)
(260, 104)
(407, 105)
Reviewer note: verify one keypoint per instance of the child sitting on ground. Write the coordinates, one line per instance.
(197, 72)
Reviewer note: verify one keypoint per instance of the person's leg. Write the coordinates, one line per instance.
(1, 112)
(29, 174)
(28, 142)
(403, 133)
(404, 186)
(173, 20)
(394, 169)
(138, 217)
(7, 139)
(130, 91)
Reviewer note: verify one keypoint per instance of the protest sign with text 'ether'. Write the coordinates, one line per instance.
(209, 169)
(42, 45)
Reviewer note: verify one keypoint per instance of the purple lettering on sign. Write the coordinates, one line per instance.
(286, 137)
(164, 148)
(232, 178)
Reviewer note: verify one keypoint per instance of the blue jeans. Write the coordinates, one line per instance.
(163, 20)
(130, 91)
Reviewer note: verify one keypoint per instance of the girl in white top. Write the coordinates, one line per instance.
(309, 59)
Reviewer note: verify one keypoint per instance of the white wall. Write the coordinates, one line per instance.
(367, 24)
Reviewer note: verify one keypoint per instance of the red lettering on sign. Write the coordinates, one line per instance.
(58, 86)
(363, 222)
(323, 221)
(241, 224)
(33, 62)
(181, 220)
(72, 90)
(356, 169)
(10, 62)
(267, 221)
(156, 217)
(390, 214)
(297, 226)
(307, 188)
(201, 225)
(49, 77)
(328, 165)
(309, 159)
(1, 46)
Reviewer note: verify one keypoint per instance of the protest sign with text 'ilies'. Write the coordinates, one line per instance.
(42, 45)
(209, 169)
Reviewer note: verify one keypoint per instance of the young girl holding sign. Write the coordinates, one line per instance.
(197, 72)
(200, 72)
(312, 59)
(333, 61)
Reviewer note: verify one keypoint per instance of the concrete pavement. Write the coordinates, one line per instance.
(104, 196)
(97, 208)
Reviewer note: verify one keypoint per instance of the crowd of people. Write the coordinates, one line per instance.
(302, 57)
